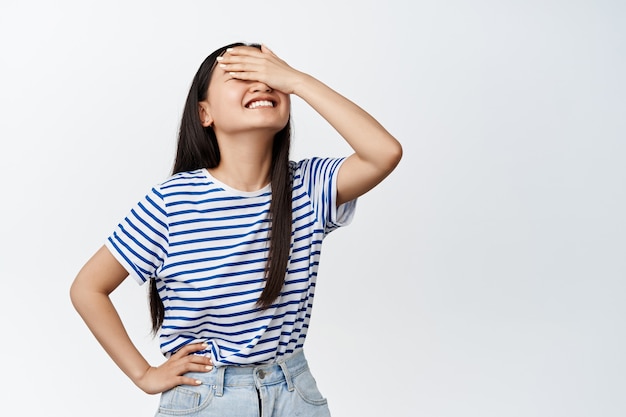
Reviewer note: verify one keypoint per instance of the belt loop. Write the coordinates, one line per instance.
(219, 384)
(285, 369)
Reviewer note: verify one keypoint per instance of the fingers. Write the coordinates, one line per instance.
(185, 361)
(251, 64)
(244, 51)
(239, 70)
(249, 50)
(240, 63)
(184, 380)
(249, 55)
(240, 66)
(184, 368)
(267, 50)
(242, 55)
(172, 372)
(190, 348)
(185, 354)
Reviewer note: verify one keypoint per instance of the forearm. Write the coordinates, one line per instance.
(103, 320)
(376, 150)
(370, 141)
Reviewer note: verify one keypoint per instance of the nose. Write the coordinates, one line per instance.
(260, 87)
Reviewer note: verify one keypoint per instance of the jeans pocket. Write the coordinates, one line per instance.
(185, 400)
(306, 387)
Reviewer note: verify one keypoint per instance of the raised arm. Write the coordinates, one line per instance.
(376, 152)
(89, 293)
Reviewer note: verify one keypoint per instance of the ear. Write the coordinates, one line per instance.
(205, 116)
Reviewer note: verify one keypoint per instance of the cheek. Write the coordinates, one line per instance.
(223, 103)
(225, 97)
(286, 100)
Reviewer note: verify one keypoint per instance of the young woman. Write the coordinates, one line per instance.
(230, 243)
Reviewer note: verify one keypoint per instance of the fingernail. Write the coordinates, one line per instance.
(222, 65)
(209, 367)
(198, 382)
(205, 345)
(219, 58)
(229, 49)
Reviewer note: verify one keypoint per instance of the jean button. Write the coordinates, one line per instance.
(261, 373)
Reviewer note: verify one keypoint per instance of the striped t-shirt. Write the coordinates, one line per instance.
(206, 245)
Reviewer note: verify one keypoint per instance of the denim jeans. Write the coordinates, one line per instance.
(282, 389)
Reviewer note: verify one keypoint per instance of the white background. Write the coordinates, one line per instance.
(484, 277)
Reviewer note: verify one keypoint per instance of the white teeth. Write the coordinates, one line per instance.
(260, 103)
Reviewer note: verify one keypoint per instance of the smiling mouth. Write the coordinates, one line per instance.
(259, 103)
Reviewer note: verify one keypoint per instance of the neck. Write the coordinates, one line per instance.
(245, 161)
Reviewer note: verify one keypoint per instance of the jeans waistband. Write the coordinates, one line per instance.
(281, 371)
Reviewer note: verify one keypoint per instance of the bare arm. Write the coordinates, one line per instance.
(376, 152)
(89, 293)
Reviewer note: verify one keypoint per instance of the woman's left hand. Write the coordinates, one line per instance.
(251, 64)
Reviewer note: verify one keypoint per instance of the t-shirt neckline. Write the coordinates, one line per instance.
(235, 191)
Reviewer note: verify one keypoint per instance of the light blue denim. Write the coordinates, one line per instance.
(282, 389)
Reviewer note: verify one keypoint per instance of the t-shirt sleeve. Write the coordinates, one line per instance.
(319, 175)
(140, 241)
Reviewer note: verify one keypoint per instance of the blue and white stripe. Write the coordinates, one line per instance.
(206, 244)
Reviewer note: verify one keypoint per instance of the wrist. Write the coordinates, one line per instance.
(301, 84)
(138, 375)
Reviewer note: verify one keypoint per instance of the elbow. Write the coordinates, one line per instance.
(74, 294)
(80, 295)
(393, 155)
(397, 154)
(386, 159)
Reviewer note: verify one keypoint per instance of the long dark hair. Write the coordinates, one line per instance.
(198, 148)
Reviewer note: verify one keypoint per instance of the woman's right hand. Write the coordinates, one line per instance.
(171, 373)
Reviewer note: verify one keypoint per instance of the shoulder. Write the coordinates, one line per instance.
(183, 178)
(316, 165)
(178, 186)
(182, 181)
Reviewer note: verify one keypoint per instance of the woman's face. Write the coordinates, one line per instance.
(236, 106)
